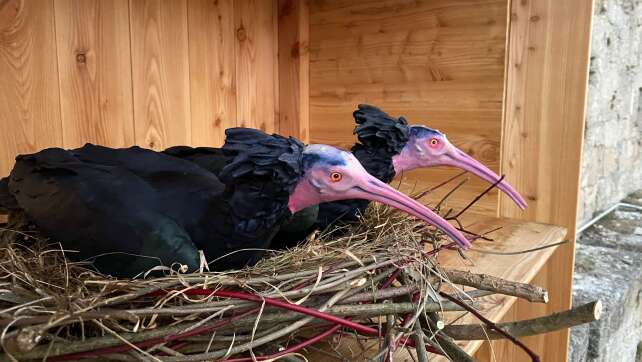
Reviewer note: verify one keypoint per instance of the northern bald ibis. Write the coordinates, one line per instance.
(133, 201)
(389, 146)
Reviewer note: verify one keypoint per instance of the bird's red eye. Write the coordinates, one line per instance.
(336, 176)
(434, 142)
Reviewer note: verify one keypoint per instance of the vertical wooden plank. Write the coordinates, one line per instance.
(29, 98)
(543, 130)
(256, 57)
(95, 72)
(160, 72)
(294, 68)
(212, 70)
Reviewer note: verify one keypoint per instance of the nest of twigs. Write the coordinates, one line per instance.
(377, 279)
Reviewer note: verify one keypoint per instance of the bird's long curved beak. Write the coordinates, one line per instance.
(459, 159)
(374, 190)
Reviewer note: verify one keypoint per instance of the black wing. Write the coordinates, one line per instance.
(99, 201)
(209, 158)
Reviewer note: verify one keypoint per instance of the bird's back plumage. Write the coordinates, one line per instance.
(136, 201)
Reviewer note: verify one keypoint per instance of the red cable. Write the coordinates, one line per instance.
(285, 305)
(152, 342)
(292, 349)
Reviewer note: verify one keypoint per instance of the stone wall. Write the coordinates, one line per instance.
(612, 154)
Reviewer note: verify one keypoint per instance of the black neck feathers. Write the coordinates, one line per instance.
(260, 177)
(381, 137)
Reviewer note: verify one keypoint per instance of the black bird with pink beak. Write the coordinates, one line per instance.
(130, 209)
(389, 146)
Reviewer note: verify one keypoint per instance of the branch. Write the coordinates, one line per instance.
(575, 316)
(493, 326)
(442, 341)
(498, 285)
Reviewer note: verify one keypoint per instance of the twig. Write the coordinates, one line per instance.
(498, 285)
(492, 326)
(451, 349)
(477, 198)
(380, 294)
(259, 341)
(422, 353)
(575, 316)
(517, 252)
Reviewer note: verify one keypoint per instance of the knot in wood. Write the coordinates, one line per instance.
(81, 58)
(241, 34)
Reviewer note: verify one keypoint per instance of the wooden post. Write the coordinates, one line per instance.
(547, 74)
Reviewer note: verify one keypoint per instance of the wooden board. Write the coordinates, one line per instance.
(439, 63)
(256, 79)
(294, 70)
(94, 62)
(160, 72)
(515, 235)
(29, 101)
(212, 70)
(547, 74)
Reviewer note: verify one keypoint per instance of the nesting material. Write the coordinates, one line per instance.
(377, 278)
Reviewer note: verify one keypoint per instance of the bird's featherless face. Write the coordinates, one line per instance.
(331, 174)
(427, 147)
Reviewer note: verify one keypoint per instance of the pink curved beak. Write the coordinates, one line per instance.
(459, 159)
(374, 190)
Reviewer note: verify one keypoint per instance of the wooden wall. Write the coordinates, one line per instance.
(148, 72)
(437, 62)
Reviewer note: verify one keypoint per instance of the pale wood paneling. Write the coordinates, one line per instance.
(548, 62)
(94, 65)
(256, 78)
(212, 70)
(160, 71)
(294, 68)
(436, 62)
(149, 72)
(29, 101)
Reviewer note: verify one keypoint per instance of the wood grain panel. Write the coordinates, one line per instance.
(160, 71)
(212, 70)
(29, 102)
(95, 72)
(294, 68)
(547, 77)
(438, 63)
(256, 64)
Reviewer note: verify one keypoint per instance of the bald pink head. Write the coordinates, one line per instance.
(331, 174)
(428, 148)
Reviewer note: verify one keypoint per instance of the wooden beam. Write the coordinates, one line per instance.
(547, 74)
(294, 68)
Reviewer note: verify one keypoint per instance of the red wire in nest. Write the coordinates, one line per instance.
(154, 341)
(280, 304)
(338, 324)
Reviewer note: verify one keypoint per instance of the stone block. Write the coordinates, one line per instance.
(614, 277)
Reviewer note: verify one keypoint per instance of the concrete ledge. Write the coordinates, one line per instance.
(608, 266)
